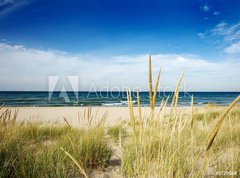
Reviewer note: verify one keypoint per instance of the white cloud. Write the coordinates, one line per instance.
(28, 69)
(229, 33)
(219, 29)
(226, 36)
(234, 48)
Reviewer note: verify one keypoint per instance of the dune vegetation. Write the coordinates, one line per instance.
(174, 142)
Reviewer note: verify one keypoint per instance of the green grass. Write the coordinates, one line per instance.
(116, 131)
(167, 148)
(169, 151)
(180, 143)
(34, 150)
(208, 115)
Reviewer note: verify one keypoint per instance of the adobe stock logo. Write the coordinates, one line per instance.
(64, 87)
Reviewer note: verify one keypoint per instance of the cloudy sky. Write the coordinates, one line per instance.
(106, 43)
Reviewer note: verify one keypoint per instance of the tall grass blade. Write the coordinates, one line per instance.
(1, 106)
(140, 116)
(156, 88)
(192, 112)
(176, 93)
(14, 119)
(132, 117)
(150, 81)
(103, 119)
(215, 130)
(65, 119)
(76, 163)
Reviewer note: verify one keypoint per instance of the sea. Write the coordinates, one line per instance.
(106, 99)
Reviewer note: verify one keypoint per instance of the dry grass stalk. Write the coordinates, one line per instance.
(15, 117)
(215, 130)
(150, 81)
(175, 96)
(192, 136)
(120, 140)
(76, 163)
(2, 115)
(65, 119)
(177, 117)
(185, 123)
(178, 89)
(176, 93)
(89, 116)
(156, 88)
(161, 107)
(192, 112)
(140, 117)
(132, 117)
(103, 119)
(152, 96)
(7, 119)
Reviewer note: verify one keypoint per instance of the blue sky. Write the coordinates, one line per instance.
(102, 30)
(117, 26)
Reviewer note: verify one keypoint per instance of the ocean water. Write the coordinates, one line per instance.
(108, 98)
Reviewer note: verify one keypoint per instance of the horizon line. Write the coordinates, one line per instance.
(112, 91)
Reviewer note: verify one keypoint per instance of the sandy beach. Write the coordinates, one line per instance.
(74, 115)
(77, 116)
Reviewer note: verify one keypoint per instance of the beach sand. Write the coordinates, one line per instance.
(75, 115)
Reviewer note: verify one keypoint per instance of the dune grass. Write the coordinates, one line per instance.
(180, 142)
(116, 131)
(35, 150)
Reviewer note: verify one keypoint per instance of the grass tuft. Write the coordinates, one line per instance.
(116, 131)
